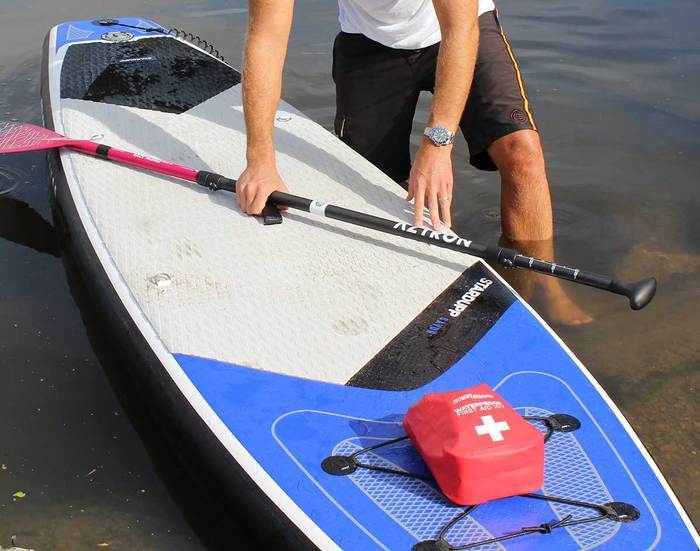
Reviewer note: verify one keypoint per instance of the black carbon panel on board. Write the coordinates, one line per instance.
(435, 340)
(160, 74)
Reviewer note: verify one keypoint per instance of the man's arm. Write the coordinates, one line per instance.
(431, 176)
(269, 24)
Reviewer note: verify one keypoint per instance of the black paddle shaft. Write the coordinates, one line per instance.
(639, 293)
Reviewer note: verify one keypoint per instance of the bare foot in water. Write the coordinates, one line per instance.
(560, 308)
(557, 305)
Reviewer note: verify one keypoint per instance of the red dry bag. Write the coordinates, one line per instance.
(476, 445)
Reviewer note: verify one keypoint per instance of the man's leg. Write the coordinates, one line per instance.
(526, 207)
(501, 133)
(526, 215)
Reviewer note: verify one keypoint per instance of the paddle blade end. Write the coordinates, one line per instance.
(20, 137)
(641, 292)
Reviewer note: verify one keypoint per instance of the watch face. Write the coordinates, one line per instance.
(441, 136)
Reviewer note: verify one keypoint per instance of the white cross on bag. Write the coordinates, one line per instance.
(492, 428)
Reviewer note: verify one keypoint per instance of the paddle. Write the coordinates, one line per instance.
(17, 137)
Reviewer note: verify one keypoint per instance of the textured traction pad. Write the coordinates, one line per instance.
(160, 74)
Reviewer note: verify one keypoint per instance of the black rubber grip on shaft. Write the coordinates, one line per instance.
(215, 182)
(291, 201)
(103, 151)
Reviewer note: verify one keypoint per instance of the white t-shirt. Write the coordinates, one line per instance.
(401, 24)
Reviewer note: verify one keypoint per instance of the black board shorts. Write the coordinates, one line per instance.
(377, 90)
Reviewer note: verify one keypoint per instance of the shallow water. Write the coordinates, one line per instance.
(614, 86)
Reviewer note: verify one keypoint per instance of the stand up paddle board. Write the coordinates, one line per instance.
(285, 356)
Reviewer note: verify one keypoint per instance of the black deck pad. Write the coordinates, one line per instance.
(440, 335)
(160, 74)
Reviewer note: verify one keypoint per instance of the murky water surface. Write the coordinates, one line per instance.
(614, 84)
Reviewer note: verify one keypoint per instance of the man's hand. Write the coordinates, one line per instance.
(430, 183)
(255, 185)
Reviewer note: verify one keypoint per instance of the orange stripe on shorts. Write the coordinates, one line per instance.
(526, 103)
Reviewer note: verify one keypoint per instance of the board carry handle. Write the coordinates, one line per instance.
(639, 293)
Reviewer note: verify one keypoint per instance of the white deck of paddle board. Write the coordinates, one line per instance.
(310, 297)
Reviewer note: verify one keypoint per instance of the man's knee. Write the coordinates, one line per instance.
(519, 156)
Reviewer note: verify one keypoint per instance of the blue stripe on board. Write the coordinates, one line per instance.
(85, 31)
(290, 425)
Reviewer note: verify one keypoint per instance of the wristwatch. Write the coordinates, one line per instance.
(439, 135)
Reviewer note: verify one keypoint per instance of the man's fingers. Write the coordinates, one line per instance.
(241, 190)
(248, 195)
(445, 199)
(411, 194)
(257, 203)
(445, 208)
(434, 210)
(418, 207)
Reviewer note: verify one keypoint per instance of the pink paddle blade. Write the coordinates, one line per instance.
(17, 137)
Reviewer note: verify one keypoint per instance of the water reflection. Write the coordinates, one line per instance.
(10, 178)
(21, 224)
